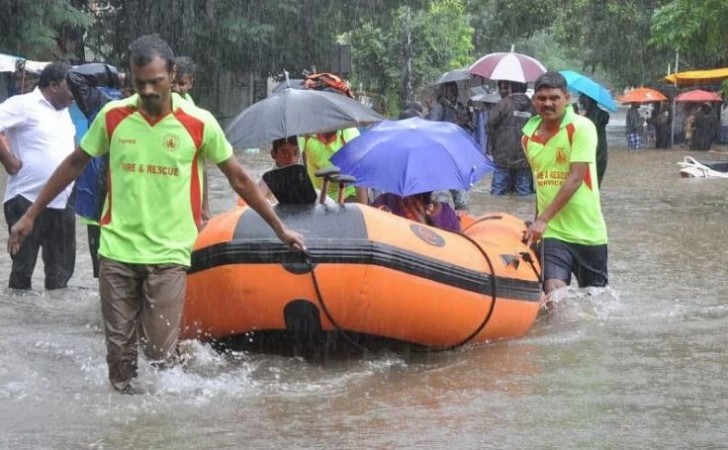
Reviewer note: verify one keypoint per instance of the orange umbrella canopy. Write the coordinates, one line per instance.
(642, 95)
(698, 95)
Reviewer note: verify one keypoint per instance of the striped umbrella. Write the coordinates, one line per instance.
(509, 66)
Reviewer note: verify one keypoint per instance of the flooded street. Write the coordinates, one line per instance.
(640, 365)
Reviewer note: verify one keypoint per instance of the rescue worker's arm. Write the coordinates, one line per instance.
(577, 174)
(69, 170)
(248, 190)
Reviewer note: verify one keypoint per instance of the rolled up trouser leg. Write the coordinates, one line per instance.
(120, 289)
(164, 292)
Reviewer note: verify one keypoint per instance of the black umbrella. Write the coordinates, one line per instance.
(295, 112)
(454, 75)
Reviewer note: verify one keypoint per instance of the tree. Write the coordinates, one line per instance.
(47, 30)
(696, 29)
(614, 35)
(399, 53)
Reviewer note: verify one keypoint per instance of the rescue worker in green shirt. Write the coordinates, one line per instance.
(561, 148)
(153, 207)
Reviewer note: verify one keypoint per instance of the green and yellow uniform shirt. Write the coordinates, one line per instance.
(318, 149)
(580, 221)
(154, 200)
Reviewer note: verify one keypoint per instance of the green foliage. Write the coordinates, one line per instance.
(398, 46)
(612, 36)
(398, 54)
(609, 37)
(41, 29)
(498, 24)
(697, 30)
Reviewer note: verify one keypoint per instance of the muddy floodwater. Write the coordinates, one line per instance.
(641, 364)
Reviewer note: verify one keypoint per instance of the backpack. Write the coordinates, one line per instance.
(325, 81)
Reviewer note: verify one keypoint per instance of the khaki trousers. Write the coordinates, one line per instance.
(139, 303)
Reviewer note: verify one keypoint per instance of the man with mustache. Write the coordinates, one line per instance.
(153, 207)
(561, 148)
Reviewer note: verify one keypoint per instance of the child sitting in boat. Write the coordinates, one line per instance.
(420, 208)
(289, 186)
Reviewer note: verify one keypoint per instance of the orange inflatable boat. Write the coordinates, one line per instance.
(367, 274)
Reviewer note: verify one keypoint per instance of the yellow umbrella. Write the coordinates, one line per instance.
(698, 77)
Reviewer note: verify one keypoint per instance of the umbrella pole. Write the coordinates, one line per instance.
(672, 124)
(327, 173)
(343, 180)
(324, 188)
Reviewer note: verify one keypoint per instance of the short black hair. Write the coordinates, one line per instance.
(517, 87)
(449, 84)
(278, 143)
(143, 50)
(550, 80)
(54, 72)
(185, 66)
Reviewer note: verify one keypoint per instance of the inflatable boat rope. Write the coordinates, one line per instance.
(340, 330)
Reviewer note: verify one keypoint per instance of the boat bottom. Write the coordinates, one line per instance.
(318, 345)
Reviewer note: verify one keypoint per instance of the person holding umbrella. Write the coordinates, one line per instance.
(505, 121)
(420, 208)
(635, 127)
(561, 148)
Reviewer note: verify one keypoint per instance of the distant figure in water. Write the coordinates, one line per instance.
(705, 127)
(635, 127)
(420, 208)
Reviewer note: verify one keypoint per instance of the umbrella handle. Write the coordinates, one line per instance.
(342, 180)
(324, 189)
(327, 173)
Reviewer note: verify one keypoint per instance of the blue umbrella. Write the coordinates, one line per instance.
(412, 156)
(585, 85)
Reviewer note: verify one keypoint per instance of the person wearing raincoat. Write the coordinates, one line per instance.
(505, 122)
(93, 86)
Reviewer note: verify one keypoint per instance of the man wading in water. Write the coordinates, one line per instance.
(561, 147)
(151, 217)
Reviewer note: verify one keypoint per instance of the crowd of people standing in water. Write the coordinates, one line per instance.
(694, 125)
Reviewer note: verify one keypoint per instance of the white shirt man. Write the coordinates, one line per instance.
(40, 134)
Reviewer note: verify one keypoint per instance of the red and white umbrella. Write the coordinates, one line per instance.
(509, 66)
